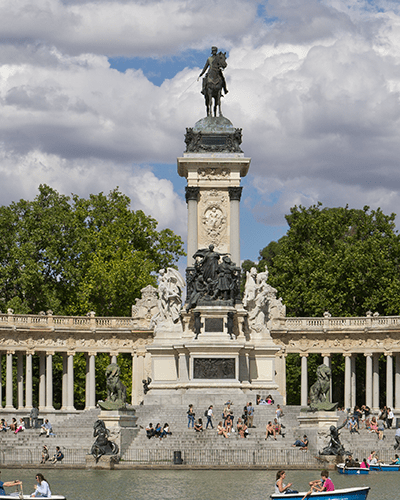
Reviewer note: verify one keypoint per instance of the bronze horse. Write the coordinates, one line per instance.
(214, 84)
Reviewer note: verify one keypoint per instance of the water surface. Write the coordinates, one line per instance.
(190, 484)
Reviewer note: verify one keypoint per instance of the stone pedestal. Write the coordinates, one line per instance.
(317, 419)
(122, 427)
(105, 462)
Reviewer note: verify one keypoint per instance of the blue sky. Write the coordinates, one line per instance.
(96, 94)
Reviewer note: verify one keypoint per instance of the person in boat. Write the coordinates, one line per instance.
(7, 485)
(280, 487)
(364, 464)
(395, 460)
(350, 462)
(42, 488)
(323, 484)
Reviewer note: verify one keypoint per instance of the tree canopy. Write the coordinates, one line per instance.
(73, 255)
(341, 260)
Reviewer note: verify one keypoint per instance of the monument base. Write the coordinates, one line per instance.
(104, 462)
(122, 426)
(319, 419)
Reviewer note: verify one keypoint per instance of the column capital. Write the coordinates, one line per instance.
(368, 354)
(326, 355)
(390, 353)
(347, 354)
(303, 354)
(10, 352)
(50, 353)
(235, 193)
(29, 352)
(71, 353)
(192, 193)
(91, 353)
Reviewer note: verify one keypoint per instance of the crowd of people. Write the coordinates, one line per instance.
(158, 431)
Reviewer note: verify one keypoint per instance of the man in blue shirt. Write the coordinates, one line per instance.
(250, 415)
(9, 483)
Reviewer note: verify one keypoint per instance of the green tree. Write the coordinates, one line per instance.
(341, 260)
(72, 255)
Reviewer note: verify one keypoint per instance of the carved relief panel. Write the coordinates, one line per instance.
(213, 219)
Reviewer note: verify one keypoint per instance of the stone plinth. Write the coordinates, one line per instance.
(319, 419)
(105, 462)
(122, 426)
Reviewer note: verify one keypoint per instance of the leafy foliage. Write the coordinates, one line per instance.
(73, 255)
(341, 260)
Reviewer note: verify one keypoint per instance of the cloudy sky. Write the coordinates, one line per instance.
(97, 94)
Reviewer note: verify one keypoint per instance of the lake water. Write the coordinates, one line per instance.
(190, 484)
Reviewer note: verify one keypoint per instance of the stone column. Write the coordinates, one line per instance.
(235, 194)
(347, 380)
(70, 376)
(192, 195)
(42, 382)
(134, 397)
(353, 397)
(91, 400)
(397, 381)
(49, 381)
(375, 381)
(389, 379)
(368, 379)
(304, 380)
(20, 380)
(28, 380)
(9, 381)
(327, 362)
(64, 381)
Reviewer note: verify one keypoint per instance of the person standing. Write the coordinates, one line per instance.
(209, 417)
(250, 414)
(191, 415)
(34, 414)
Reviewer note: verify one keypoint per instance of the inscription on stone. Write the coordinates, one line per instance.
(214, 140)
(213, 324)
(214, 368)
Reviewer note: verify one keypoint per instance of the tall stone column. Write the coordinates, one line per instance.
(353, 397)
(134, 395)
(235, 194)
(42, 381)
(368, 379)
(64, 381)
(20, 380)
(397, 381)
(9, 381)
(389, 379)
(70, 376)
(49, 381)
(375, 381)
(192, 196)
(347, 380)
(28, 380)
(91, 400)
(304, 379)
(327, 362)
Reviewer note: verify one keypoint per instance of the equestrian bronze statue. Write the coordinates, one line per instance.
(214, 81)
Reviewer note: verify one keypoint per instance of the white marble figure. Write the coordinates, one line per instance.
(260, 301)
(169, 301)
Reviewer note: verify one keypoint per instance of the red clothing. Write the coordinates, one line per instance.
(328, 485)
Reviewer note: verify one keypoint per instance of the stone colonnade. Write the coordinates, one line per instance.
(371, 379)
(368, 337)
(24, 379)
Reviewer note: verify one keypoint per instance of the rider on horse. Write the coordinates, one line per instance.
(214, 51)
